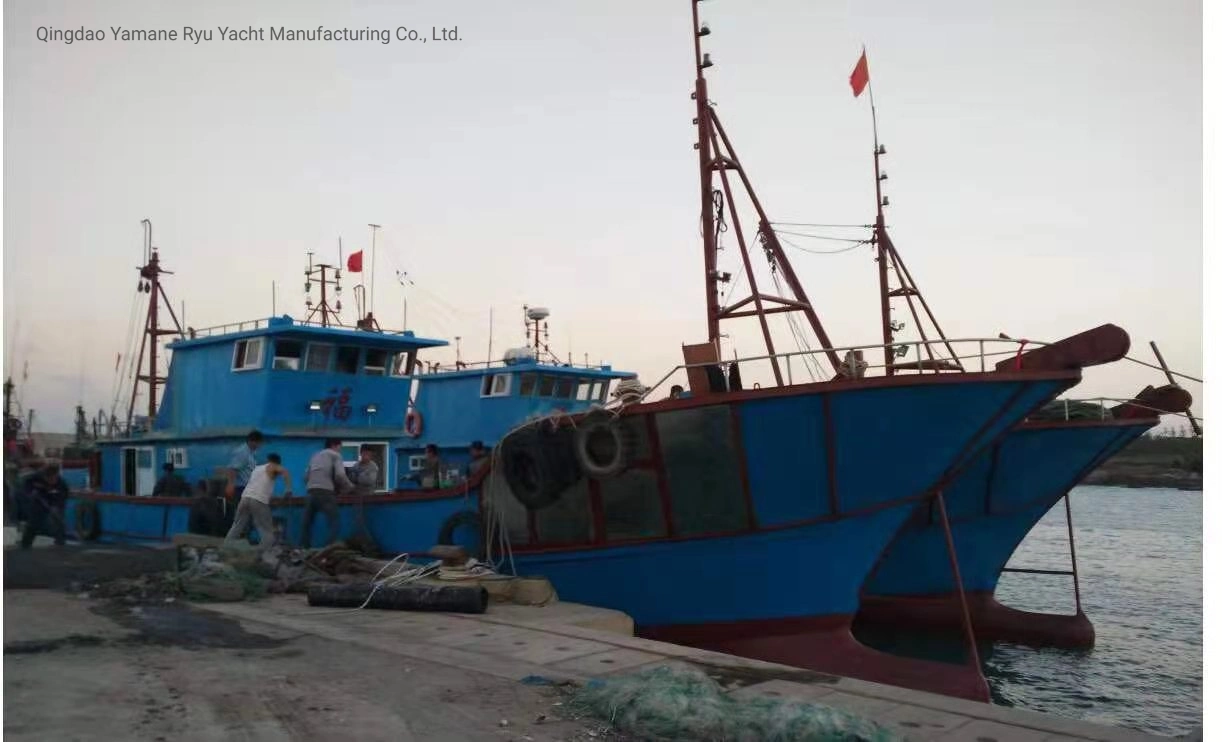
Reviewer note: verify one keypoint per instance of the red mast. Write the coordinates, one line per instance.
(712, 136)
(907, 286)
(150, 283)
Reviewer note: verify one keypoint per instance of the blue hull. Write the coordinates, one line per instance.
(992, 507)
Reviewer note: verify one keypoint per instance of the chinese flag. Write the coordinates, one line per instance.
(354, 262)
(860, 76)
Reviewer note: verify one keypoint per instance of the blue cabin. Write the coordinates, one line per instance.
(300, 384)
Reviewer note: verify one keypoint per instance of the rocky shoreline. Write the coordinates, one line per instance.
(1173, 463)
(1137, 476)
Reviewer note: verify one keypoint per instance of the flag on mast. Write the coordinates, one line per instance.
(861, 75)
(354, 261)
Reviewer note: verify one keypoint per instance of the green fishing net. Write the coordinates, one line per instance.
(667, 703)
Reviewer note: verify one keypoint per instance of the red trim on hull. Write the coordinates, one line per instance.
(991, 620)
(824, 644)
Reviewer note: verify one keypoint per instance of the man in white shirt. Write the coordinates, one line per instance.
(256, 501)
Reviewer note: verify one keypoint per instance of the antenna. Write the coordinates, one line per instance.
(489, 336)
(373, 266)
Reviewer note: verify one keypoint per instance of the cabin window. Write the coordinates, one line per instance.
(288, 355)
(583, 391)
(529, 382)
(177, 457)
(547, 385)
(318, 357)
(248, 354)
(375, 362)
(347, 359)
(564, 388)
(568, 519)
(596, 392)
(706, 487)
(416, 462)
(405, 363)
(496, 385)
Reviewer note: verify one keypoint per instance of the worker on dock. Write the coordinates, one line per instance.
(364, 475)
(256, 501)
(45, 493)
(479, 457)
(324, 475)
(171, 484)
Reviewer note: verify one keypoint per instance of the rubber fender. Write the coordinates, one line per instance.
(88, 520)
(445, 535)
(445, 598)
(604, 446)
(539, 464)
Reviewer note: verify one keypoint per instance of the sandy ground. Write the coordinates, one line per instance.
(79, 669)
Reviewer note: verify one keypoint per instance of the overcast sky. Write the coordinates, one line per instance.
(1044, 162)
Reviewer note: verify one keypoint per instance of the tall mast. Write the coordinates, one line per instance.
(712, 137)
(907, 289)
(327, 316)
(150, 283)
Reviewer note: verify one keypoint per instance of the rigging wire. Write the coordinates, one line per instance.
(857, 244)
(817, 236)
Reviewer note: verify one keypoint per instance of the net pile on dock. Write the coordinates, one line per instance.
(667, 703)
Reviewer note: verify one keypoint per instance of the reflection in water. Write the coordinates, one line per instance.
(1139, 561)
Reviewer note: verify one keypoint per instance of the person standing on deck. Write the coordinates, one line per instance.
(324, 475)
(364, 475)
(479, 457)
(242, 463)
(46, 494)
(256, 502)
(171, 484)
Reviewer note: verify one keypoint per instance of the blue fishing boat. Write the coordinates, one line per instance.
(1007, 489)
(300, 383)
(992, 506)
(745, 517)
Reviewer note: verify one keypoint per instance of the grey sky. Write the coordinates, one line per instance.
(1045, 169)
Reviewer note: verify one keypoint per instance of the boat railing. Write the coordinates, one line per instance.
(438, 367)
(258, 324)
(860, 361)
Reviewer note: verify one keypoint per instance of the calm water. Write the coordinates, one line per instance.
(1139, 561)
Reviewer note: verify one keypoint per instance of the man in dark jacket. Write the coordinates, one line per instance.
(46, 493)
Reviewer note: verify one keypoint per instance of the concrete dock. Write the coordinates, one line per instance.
(565, 641)
(275, 668)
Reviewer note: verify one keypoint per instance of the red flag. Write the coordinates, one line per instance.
(354, 262)
(860, 76)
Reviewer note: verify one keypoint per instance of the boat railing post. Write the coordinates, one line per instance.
(920, 365)
(1065, 404)
(982, 356)
(789, 368)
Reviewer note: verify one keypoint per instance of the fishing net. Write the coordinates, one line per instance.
(667, 703)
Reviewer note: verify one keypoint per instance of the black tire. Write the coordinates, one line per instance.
(602, 447)
(539, 464)
(445, 535)
(88, 520)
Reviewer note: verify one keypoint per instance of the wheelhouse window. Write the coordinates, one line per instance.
(405, 363)
(547, 385)
(288, 355)
(496, 385)
(248, 354)
(583, 391)
(597, 391)
(347, 359)
(375, 362)
(528, 384)
(318, 357)
(564, 388)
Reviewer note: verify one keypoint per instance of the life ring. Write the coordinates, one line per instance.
(604, 447)
(88, 520)
(413, 423)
